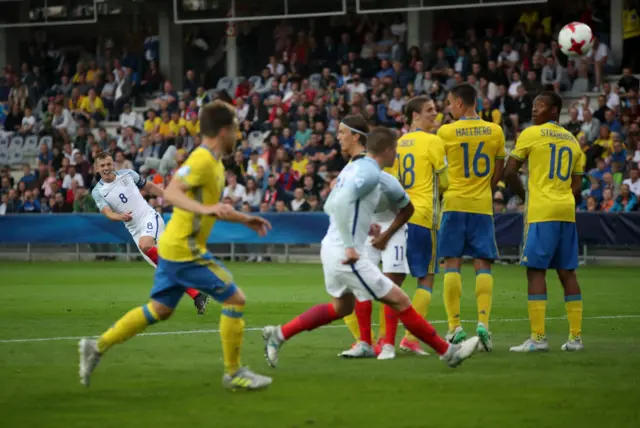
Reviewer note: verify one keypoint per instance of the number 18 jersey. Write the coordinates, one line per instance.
(472, 147)
(419, 160)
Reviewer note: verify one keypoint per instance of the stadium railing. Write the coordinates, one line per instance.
(613, 238)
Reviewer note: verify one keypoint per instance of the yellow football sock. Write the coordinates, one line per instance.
(537, 308)
(574, 315)
(231, 336)
(352, 324)
(421, 302)
(484, 295)
(132, 323)
(452, 293)
(382, 331)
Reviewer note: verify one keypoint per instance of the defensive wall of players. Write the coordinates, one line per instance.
(602, 236)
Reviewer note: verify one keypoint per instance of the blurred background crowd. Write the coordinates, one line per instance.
(114, 98)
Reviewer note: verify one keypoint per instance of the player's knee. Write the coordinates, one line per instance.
(344, 305)
(238, 298)
(164, 312)
(397, 299)
(145, 245)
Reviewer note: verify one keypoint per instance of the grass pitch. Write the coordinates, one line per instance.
(173, 379)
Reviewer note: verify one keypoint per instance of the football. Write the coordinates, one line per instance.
(575, 39)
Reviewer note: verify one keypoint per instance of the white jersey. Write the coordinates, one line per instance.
(393, 198)
(123, 195)
(351, 206)
(352, 203)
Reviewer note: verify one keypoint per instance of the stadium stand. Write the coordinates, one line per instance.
(56, 115)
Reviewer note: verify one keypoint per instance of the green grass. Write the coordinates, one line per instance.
(174, 380)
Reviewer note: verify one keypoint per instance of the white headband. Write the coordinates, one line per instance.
(357, 131)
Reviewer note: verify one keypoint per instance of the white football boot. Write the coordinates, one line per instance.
(573, 345)
(457, 353)
(531, 345)
(245, 379)
(89, 359)
(360, 350)
(388, 352)
(272, 343)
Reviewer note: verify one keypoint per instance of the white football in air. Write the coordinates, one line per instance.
(575, 39)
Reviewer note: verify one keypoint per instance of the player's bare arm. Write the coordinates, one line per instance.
(259, 224)
(576, 187)
(114, 216)
(512, 179)
(154, 189)
(497, 173)
(175, 194)
(380, 242)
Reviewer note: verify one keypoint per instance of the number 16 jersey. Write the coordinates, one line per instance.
(419, 160)
(472, 147)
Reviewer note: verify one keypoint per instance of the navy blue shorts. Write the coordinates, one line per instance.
(422, 254)
(205, 274)
(550, 245)
(467, 234)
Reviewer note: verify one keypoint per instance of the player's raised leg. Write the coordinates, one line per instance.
(133, 322)
(315, 317)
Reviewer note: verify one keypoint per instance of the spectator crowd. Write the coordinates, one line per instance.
(287, 152)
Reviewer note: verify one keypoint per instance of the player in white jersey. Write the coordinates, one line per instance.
(348, 277)
(118, 197)
(386, 244)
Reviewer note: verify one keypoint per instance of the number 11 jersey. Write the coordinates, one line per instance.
(472, 147)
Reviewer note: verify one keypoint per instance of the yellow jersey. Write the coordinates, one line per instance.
(193, 127)
(185, 238)
(151, 125)
(165, 129)
(300, 166)
(176, 126)
(553, 155)
(630, 23)
(472, 147)
(419, 160)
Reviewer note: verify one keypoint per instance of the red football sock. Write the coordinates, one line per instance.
(421, 329)
(391, 325)
(313, 318)
(152, 253)
(363, 314)
(192, 292)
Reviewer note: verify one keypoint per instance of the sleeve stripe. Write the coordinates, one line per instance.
(500, 157)
(515, 157)
(578, 173)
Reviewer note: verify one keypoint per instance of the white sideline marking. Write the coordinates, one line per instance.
(171, 333)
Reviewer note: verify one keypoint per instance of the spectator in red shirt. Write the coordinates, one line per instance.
(287, 178)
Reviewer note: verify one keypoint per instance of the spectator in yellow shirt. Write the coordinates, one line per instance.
(165, 129)
(92, 107)
(299, 163)
(152, 123)
(605, 141)
(80, 70)
(193, 125)
(92, 72)
(490, 114)
(177, 122)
